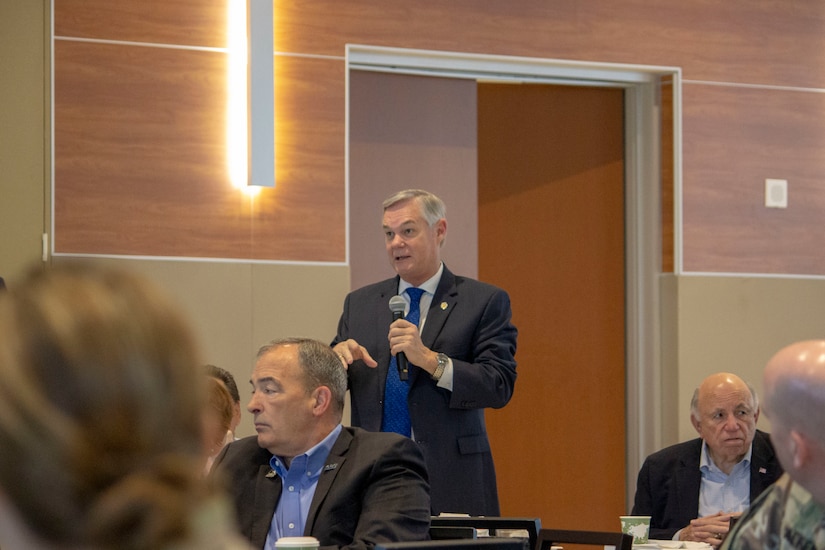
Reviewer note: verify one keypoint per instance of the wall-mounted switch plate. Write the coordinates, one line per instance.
(776, 193)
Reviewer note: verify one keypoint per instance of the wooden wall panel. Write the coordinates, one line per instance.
(734, 138)
(139, 152)
(154, 155)
(187, 22)
(766, 42)
(140, 163)
(303, 218)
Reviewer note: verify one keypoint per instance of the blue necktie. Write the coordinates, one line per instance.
(396, 413)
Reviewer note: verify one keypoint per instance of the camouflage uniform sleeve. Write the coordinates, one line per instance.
(784, 517)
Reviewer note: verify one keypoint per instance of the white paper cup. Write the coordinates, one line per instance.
(638, 526)
(297, 543)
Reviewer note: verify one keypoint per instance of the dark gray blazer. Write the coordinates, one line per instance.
(667, 488)
(469, 321)
(373, 488)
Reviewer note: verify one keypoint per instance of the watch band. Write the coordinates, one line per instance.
(439, 370)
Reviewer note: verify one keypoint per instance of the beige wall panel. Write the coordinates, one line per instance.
(234, 308)
(734, 139)
(736, 324)
(23, 144)
(668, 373)
(712, 40)
(667, 169)
(297, 301)
(187, 22)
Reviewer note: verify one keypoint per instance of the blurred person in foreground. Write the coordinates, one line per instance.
(460, 344)
(305, 474)
(692, 489)
(791, 513)
(101, 415)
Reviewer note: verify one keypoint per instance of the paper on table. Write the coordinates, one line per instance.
(668, 544)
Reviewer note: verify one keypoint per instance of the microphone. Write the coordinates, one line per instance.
(397, 305)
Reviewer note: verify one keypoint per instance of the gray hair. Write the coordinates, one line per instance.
(321, 366)
(432, 207)
(694, 401)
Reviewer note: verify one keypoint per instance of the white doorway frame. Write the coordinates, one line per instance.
(645, 374)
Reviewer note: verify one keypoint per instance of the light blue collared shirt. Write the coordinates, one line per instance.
(720, 492)
(299, 484)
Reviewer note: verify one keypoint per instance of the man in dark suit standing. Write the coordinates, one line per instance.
(307, 475)
(460, 349)
(692, 489)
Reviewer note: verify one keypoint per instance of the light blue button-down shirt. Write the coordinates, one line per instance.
(299, 483)
(720, 492)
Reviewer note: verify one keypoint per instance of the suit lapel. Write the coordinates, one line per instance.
(444, 300)
(332, 466)
(267, 493)
(688, 479)
(762, 465)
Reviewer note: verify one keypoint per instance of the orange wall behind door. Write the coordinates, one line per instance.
(551, 232)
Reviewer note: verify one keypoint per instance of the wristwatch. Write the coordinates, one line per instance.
(442, 364)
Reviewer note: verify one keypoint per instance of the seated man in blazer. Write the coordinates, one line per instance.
(307, 475)
(692, 489)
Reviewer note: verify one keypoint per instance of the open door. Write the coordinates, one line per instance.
(539, 226)
(551, 232)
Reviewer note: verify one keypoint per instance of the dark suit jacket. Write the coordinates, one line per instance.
(469, 321)
(373, 488)
(667, 488)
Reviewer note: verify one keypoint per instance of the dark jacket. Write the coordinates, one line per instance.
(469, 321)
(373, 488)
(667, 488)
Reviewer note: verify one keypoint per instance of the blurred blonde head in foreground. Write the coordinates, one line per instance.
(101, 417)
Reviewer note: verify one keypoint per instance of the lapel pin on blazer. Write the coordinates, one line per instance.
(271, 473)
(330, 467)
(763, 471)
(443, 305)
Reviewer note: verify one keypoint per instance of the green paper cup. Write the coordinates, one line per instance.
(638, 526)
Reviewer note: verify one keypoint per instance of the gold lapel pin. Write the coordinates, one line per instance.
(443, 305)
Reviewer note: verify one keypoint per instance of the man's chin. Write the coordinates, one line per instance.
(733, 449)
